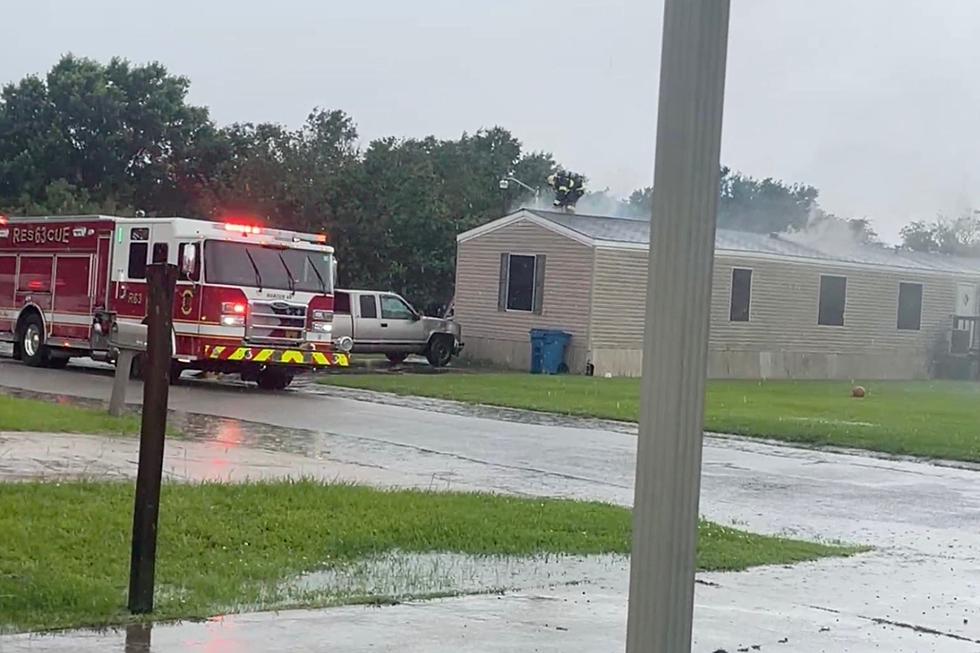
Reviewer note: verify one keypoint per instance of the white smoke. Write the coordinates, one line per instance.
(830, 233)
(600, 202)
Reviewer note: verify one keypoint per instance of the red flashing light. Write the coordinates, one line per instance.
(231, 308)
(321, 238)
(243, 228)
(3, 219)
(35, 284)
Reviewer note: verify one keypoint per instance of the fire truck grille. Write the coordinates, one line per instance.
(276, 323)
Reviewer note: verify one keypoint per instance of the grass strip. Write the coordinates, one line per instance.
(932, 419)
(65, 555)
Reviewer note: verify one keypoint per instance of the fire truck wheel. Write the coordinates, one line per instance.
(440, 351)
(32, 349)
(273, 379)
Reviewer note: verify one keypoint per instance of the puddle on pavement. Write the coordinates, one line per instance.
(207, 428)
(401, 575)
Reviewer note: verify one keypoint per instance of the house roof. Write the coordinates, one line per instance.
(632, 233)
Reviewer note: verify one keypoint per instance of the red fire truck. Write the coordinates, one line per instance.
(249, 300)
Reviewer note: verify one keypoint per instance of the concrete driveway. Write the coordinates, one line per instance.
(916, 592)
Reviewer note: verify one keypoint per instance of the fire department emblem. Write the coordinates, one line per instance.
(186, 301)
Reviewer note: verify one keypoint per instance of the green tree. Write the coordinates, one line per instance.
(403, 206)
(121, 133)
(766, 205)
(640, 201)
(118, 137)
(959, 236)
(749, 204)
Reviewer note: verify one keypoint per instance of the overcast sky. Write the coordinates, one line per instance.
(875, 102)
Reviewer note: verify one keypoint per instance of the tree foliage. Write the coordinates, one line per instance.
(766, 205)
(113, 138)
(123, 134)
(959, 236)
(748, 204)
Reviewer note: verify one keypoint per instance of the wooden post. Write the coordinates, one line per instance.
(675, 345)
(161, 280)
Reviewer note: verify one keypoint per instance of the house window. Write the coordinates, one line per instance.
(833, 297)
(741, 295)
(137, 260)
(521, 283)
(369, 307)
(910, 306)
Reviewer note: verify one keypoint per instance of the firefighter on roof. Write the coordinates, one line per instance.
(569, 188)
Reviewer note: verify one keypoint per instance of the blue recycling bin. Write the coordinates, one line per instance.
(548, 351)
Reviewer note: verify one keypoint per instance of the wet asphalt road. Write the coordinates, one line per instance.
(916, 592)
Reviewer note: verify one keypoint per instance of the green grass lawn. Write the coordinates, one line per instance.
(64, 559)
(939, 419)
(33, 415)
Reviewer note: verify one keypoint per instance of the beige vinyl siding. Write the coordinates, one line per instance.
(619, 298)
(782, 337)
(785, 301)
(502, 336)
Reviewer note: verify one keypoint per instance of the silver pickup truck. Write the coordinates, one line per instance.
(381, 322)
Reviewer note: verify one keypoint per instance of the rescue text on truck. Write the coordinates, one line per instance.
(250, 300)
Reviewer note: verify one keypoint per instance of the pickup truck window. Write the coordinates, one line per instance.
(369, 307)
(341, 303)
(393, 308)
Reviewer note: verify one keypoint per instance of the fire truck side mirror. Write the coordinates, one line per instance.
(188, 262)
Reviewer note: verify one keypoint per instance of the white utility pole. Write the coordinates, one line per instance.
(682, 241)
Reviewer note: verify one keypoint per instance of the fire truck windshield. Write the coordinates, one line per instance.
(231, 264)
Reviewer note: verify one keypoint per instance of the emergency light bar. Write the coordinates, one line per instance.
(285, 236)
(243, 228)
(305, 238)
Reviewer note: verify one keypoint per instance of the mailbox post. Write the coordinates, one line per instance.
(130, 340)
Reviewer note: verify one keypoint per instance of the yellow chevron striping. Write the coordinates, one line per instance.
(292, 356)
(263, 355)
(239, 354)
(320, 359)
(341, 360)
(216, 351)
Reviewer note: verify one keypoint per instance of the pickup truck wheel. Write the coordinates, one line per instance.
(271, 379)
(440, 351)
(395, 359)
